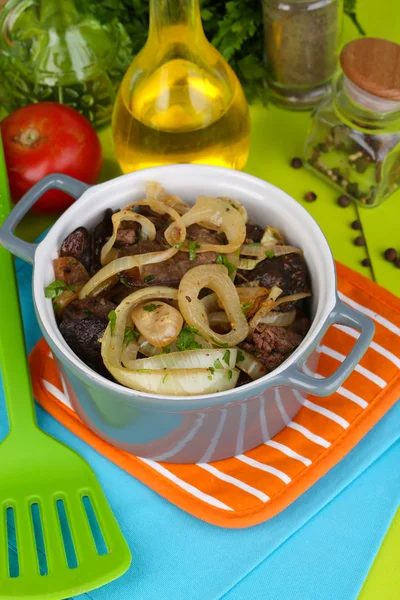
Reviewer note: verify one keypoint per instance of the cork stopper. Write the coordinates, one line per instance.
(373, 65)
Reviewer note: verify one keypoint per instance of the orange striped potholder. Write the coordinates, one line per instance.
(253, 487)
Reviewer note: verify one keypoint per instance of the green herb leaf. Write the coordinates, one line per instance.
(112, 317)
(179, 246)
(186, 339)
(193, 246)
(125, 282)
(56, 307)
(212, 370)
(73, 261)
(55, 289)
(269, 254)
(227, 356)
(218, 364)
(245, 306)
(144, 370)
(209, 377)
(230, 375)
(164, 378)
(166, 349)
(130, 335)
(222, 260)
(149, 278)
(240, 356)
(150, 307)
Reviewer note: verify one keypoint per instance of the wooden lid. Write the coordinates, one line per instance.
(374, 65)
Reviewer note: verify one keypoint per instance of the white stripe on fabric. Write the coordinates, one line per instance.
(329, 414)
(263, 467)
(242, 425)
(281, 408)
(54, 391)
(373, 345)
(360, 369)
(289, 452)
(322, 410)
(210, 450)
(263, 420)
(183, 442)
(236, 482)
(310, 435)
(184, 485)
(341, 390)
(370, 313)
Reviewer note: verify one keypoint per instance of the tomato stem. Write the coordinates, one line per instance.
(29, 137)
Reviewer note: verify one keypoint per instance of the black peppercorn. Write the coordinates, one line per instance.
(360, 241)
(397, 262)
(296, 163)
(344, 201)
(390, 254)
(366, 262)
(356, 224)
(310, 196)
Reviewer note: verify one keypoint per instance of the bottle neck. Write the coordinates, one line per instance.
(184, 14)
(364, 111)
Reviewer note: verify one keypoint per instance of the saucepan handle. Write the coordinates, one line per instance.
(326, 386)
(57, 181)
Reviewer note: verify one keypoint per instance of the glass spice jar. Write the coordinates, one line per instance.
(58, 51)
(301, 48)
(354, 137)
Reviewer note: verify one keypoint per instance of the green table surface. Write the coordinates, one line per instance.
(278, 136)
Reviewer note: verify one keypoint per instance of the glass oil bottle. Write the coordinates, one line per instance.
(180, 102)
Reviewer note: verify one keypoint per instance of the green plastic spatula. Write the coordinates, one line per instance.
(58, 535)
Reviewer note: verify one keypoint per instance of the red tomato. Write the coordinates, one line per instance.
(44, 138)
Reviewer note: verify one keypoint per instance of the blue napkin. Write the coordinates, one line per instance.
(310, 544)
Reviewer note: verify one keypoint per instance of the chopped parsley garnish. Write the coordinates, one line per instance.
(164, 378)
(218, 364)
(193, 246)
(149, 278)
(227, 356)
(112, 317)
(166, 349)
(73, 261)
(186, 339)
(240, 356)
(56, 289)
(230, 375)
(212, 370)
(150, 307)
(130, 335)
(125, 282)
(56, 306)
(144, 370)
(269, 253)
(245, 306)
(219, 343)
(222, 260)
(209, 377)
(179, 246)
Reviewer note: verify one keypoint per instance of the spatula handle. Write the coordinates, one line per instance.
(13, 361)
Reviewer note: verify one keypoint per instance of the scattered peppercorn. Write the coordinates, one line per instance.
(296, 163)
(366, 262)
(310, 197)
(390, 254)
(360, 240)
(344, 201)
(397, 262)
(356, 224)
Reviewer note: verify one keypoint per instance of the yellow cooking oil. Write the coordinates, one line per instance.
(180, 102)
